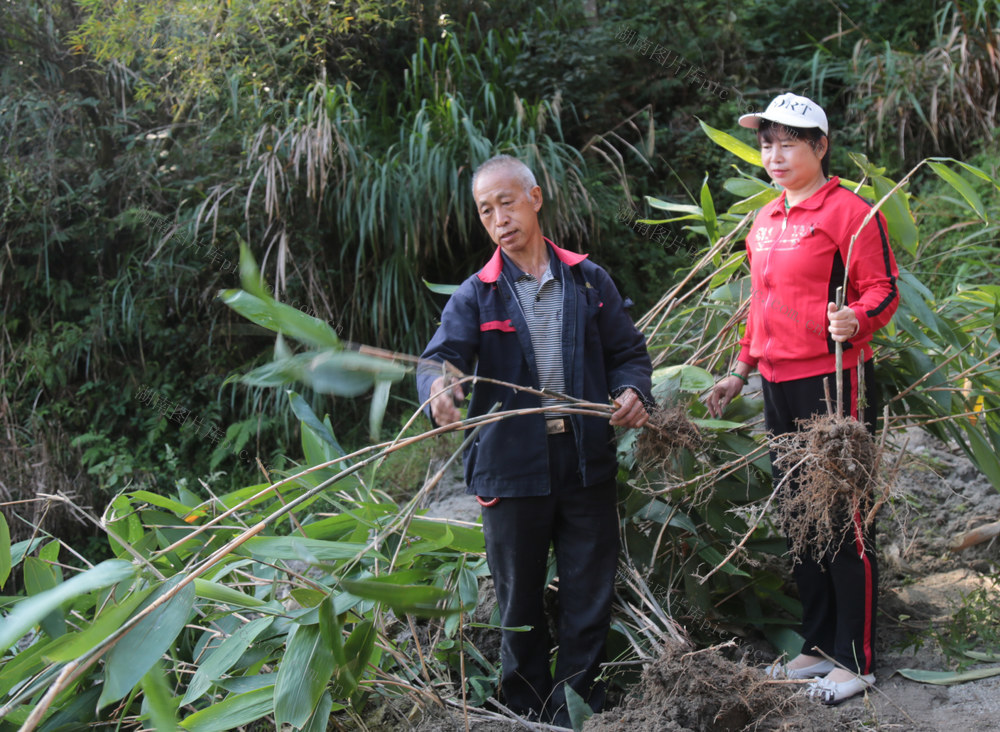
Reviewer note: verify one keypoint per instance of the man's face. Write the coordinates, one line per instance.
(508, 212)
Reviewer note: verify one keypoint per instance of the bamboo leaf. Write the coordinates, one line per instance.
(713, 556)
(980, 656)
(978, 172)
(135, 654)
(232, 712)
(440, 289)
(785, 640)
(427, 546)
(279, 372)
(159, 702)
(243, 684)
(69, 716)
(163, 502)
(281, 318)
(468, 587)
(754, 202)
(358, 648)
(896, 210)
(401, 598)
(50, 553)
(343, 373)
(24, 665)
(668, 381)
(22, 548)
(708, 212)
(463, 539)
(987, 458)
(380, 399)
(29, 611)
(216, 592)
(250, 277)
(39, 577)
(320, 720)
(730, 143)
(693, 211)
(297, 547)
(725, 270)
(946, 678)
(306, 667)
(6, 561)
(962, 186)
(579, 710)
(717, 424)
(111, 618)
(330, 629)
(322, 430)
(746, 187)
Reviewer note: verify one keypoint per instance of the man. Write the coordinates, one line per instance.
(542, 317)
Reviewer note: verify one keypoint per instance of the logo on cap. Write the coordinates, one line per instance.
(788, 104)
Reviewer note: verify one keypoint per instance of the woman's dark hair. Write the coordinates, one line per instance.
(769, 131)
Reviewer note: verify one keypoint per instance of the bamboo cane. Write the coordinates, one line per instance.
(839, 354)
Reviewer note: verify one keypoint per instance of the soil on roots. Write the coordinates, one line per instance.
(667, 431)
(833, 463)
(690, 691)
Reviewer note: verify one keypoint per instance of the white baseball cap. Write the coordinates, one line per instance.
(790, 110)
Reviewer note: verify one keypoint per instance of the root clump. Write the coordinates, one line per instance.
(684, 691)
(667, 431)
(833, 463)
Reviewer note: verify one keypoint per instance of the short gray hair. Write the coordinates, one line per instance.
(521, 171)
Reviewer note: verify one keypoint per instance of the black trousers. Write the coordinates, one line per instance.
(838, 592)
(581, 524)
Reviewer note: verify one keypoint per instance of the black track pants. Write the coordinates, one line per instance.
(581, 524)
(839, 592)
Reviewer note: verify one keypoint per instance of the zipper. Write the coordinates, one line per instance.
(767, 300)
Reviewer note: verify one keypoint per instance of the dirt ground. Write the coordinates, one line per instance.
(921, 586)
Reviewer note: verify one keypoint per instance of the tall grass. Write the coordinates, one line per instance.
(387, 182)
(937, 100)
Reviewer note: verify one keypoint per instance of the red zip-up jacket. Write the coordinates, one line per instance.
(796, 264)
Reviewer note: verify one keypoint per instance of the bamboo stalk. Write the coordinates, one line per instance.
(839, 351)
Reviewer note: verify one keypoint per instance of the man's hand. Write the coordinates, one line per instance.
(844, 323)
(631, 412)
(722, 393)
(443, 406)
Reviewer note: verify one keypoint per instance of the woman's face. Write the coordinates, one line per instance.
(791, 161)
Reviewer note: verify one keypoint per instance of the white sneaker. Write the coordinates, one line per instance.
(778, 670)
(831, 693)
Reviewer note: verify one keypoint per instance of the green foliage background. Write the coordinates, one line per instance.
(142, 143)
(147, 146)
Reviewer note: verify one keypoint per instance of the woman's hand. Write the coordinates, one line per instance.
(844, 323)
(722, 393)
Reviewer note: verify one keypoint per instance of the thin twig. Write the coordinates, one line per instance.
(756, 523)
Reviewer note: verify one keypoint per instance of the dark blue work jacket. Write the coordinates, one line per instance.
(483, 328)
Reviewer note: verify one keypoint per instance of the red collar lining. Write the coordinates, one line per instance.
(491, 272)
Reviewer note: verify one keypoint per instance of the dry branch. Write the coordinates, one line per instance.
(977, 535)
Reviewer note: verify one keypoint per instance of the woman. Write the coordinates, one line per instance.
(798, 250)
